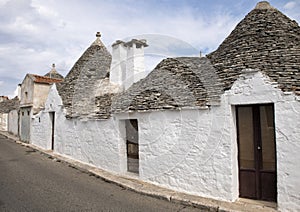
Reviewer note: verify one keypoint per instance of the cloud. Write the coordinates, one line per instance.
(290, 5)
(36, 33)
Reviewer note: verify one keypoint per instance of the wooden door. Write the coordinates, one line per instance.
(132, 144)
(52, 119)
(257, 152)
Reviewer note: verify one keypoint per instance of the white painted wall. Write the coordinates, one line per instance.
(13, 122)
(41, 132)
(3, 121)
(90, 141)
(187, 151)
(255, 88)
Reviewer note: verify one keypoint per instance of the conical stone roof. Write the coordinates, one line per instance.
(77, 90)
(266, 40)
(53, 73)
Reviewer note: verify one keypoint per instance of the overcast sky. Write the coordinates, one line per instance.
(36, 33)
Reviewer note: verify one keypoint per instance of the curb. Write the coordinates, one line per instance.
(146, 188)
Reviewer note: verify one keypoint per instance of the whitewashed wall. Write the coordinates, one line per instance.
(188, 150)
(90, 141)
(3, 121)
(13, 122)
(255, 88)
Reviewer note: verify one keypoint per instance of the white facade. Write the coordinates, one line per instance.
(192, 150)
(90, 141)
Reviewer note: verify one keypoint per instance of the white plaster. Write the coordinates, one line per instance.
(128, 64)
(187, 151)
(135, 65)
(3, 121)
(118, 64)
(89, 141)
(13, 122)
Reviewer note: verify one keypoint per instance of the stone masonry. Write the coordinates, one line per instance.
(266, 40)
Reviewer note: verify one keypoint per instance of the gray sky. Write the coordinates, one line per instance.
(36, 33)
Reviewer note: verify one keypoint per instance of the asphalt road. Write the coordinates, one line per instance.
(30, 181)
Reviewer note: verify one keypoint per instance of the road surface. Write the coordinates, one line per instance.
(30, 181)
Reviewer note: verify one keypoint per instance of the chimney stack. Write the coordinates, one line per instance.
(128, 63)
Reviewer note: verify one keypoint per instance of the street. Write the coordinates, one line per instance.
(30, 181)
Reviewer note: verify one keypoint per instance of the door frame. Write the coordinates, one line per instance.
(257, 146)
(132, 157)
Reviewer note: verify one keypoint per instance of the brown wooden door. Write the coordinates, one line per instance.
(257, 152)
(132, 138)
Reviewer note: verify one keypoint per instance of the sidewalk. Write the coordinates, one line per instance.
(153, 190)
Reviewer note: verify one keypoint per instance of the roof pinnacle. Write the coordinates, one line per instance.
(97, 42)
(263, 5)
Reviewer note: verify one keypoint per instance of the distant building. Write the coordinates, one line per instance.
(34, 92)
(6, 107)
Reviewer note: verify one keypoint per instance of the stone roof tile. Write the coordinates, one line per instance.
(174, 83)
(8, 105)
(266, 40)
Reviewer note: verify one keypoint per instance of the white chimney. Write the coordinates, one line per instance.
(118, 64)
(135, 66)
(128, 63)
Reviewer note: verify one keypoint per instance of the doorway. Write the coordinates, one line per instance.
(52, 120)
(132, 145)
(257, 152)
